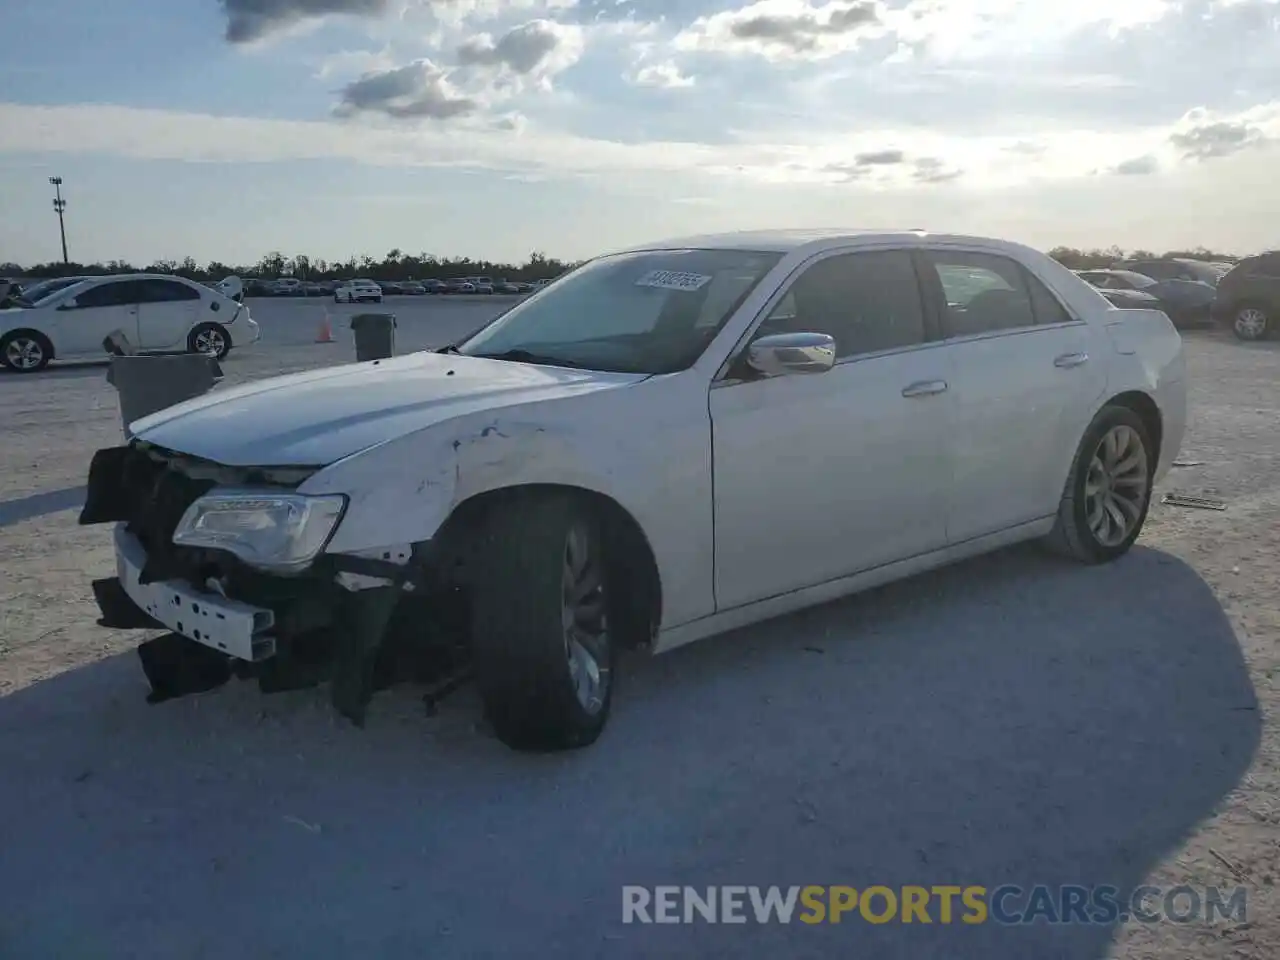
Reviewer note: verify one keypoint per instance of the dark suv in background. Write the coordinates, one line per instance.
(1248, 297)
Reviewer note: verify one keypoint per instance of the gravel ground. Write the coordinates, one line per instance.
(1014, 719)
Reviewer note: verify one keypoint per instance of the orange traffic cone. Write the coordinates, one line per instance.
(325, 334)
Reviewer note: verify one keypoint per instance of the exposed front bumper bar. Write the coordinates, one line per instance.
(237, 629)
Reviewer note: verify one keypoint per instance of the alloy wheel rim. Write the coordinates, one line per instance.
(1115, 487)
(585, 620)
(209, 341)
(1251, 322)
(24, 353)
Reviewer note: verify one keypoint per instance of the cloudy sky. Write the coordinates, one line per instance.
(228, 128)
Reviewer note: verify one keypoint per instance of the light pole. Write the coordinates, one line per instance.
(60, 205)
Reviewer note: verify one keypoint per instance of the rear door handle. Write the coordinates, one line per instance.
(1071, 360)
(925, 388)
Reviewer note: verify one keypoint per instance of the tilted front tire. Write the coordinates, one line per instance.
(543, 652)
(1108, 492)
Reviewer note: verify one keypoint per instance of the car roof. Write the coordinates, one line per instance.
(816, 239)
(143, 276)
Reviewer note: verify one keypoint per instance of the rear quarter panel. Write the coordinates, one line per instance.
(1148, 357)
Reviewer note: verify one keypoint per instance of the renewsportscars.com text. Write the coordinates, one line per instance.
(946, 904)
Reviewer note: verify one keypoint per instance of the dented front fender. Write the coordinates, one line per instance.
(402, 491)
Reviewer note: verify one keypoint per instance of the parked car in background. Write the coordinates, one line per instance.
(804, 415)
(358, 291)
(481, 284)
(1173, 268)
(459, 285)
(1248, 299)
(285, 287)
(311, 288)
(1131, 299)
(257, 288)
(24, 294)
(391, 288)
(412, 289)
(1188, 303)
(154, 311)
(506, 286)
(434, 286)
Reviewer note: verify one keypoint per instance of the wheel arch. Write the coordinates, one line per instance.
(635, 563)
(1148, 410)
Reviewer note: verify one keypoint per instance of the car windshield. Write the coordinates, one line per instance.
(653, 311)
(37, 292)
(42, 293)
(1204, 272)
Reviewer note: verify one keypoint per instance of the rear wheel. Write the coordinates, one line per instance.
(1252, 321)
(25, 351)
(1105, 501)
(542, 642)
(210, 339)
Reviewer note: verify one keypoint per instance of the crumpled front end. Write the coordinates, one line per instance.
(328, 619)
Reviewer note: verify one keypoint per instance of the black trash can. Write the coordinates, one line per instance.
(375, 335)
(147, 384)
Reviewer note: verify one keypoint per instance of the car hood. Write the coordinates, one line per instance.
(318, 417)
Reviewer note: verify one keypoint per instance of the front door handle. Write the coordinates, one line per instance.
(925, 388)
(1071, 360)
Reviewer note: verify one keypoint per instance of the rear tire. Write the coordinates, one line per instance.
(1108, 492)
(543, 649)
(25, 351)
(1251, 321)
(211, 339)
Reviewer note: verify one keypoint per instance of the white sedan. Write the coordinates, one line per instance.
(155, 313)
(664, 444)
(357, 291)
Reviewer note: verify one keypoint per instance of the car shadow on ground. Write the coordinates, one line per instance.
(40, 505)
(70, 370)
(1011, 720)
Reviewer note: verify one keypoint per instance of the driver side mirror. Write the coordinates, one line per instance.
(781, 354)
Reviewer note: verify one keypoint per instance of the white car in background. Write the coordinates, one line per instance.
(666, 443)
(357, 291)
(155, 312)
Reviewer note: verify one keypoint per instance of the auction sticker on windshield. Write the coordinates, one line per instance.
(673, 280)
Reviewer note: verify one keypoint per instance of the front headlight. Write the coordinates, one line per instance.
(281, 533)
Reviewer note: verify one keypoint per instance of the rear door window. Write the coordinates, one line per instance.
(165, 291)
(984, 293)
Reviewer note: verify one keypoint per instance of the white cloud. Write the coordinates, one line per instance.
(885, 159)
(665, 75)
(355, 62)
(941, 29)
(537, 50)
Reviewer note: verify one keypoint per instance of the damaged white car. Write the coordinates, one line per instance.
(664, 444)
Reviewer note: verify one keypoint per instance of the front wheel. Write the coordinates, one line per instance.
(25, 351)
(1251, 322)
(1108, 492)
(211, 340)
(543, 650)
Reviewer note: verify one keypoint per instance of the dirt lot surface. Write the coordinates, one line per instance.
(1014, 719)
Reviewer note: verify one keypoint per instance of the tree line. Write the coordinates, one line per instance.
(399, 266)
(395, 266)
